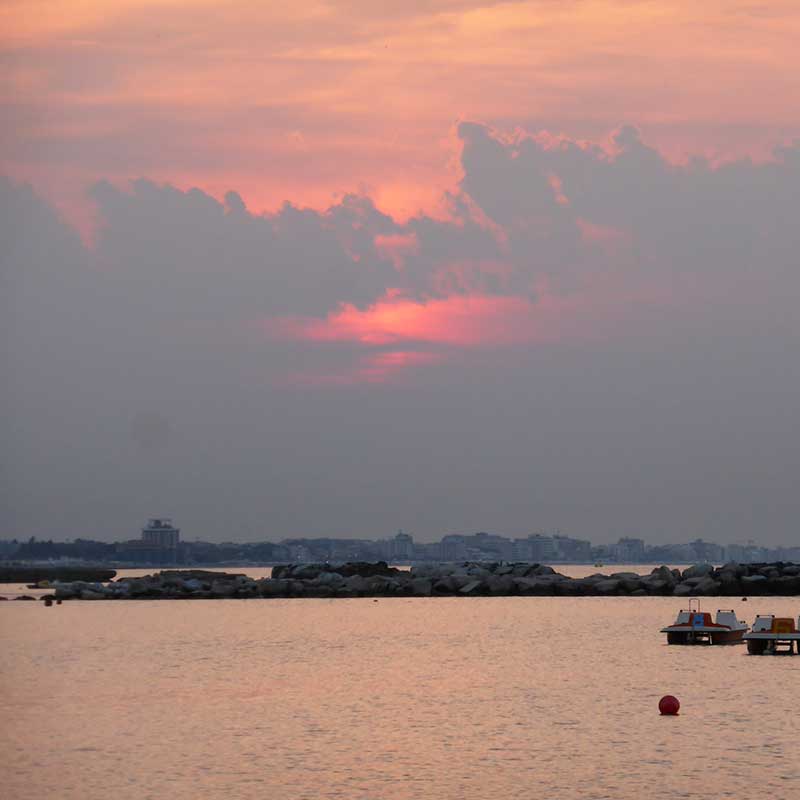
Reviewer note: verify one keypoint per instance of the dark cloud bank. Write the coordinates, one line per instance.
(139, 378)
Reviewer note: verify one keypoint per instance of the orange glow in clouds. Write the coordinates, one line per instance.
(472, 322)
(398, 333)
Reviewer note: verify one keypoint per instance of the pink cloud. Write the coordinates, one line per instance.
(473, 321)
(424, 332)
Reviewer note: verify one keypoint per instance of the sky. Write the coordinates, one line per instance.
(337, 269)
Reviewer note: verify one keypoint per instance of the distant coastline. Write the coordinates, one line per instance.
(161, 545)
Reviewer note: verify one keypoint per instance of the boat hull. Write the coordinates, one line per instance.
(705, 637)
(765, 644)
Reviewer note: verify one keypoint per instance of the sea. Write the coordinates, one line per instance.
(395, 699)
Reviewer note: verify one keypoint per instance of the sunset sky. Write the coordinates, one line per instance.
(339, 268)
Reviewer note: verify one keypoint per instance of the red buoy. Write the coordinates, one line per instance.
(669, 704)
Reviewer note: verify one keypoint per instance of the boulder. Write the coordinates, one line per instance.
(474, 587)
(501, 585)
(311, 589)
(754, 584)
(610, 586)
(574, 588)
(683, 590)
(273, 587)
(656, 586)
(326, 578)
(535, 586)
(697, 571)
(631, 585)
(729, 583)
(421, 587)
(223, 589)
(297, 588)
(769, 572)
(248, 588)
(307, 572)
(784, 586)
(382, 584)
(732, 568)
(663, 573)
(707, 587)
(356, 583)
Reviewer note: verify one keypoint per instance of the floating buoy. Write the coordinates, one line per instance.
(669, 705)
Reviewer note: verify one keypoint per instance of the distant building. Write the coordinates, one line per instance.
(453, 548)
(488, 547)
(628, 550)
(401, 548)
(746, 553)
(569, 549)
(160, 533)
(160, 543)
(543, 547)
(708, 552)
(428, 552)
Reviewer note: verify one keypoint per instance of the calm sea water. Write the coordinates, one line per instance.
(401, 698)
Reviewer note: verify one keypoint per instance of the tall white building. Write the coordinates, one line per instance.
(402, 547)
(159, 532)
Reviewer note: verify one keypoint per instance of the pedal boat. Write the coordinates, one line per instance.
(772, 635)
(696, 627)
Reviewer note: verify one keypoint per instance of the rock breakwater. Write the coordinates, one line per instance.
(463, 579)
(14, 574)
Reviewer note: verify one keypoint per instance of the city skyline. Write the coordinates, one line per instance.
(160, 544)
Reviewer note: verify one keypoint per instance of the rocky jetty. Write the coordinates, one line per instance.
(463, 579)
(12, 574)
